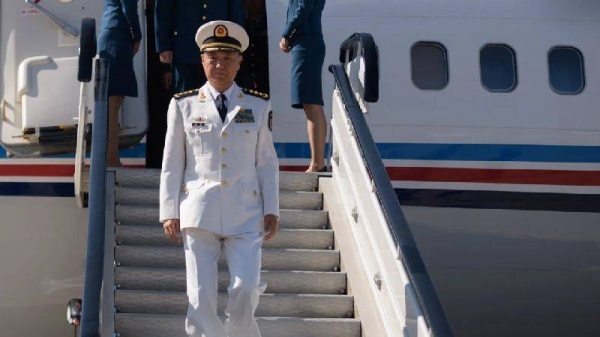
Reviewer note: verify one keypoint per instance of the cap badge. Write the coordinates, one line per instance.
(221, 31)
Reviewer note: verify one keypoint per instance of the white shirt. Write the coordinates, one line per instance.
(215, 93)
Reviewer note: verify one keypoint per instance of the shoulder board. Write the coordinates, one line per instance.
(256, 93)
(186, 93)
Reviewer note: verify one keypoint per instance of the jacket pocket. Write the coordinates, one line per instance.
(246, 136)
(251, 190)
(199, 138)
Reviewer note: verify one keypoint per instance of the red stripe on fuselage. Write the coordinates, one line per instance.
(428, 174)
(495, 176)
(29, 170)
(37, 170)
(488, 176)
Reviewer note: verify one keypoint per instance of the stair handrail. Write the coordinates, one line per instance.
(58, 22)
(94, 262)
(87, 52)
(364, 44)
(408, 251)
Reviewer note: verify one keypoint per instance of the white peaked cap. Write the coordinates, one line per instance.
(222, 35)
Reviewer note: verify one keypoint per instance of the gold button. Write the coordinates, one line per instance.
(224, 183)
(223, 150)
(204, 17)
(254, 193)
(224, 167)
(205, 5)
(186, 190)
(224, 135)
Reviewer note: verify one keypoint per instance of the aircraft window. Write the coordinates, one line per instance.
(498, 64)
(567, 74)
(429, 65)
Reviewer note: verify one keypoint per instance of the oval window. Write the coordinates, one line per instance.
(429, 65)
(498, 64)
(566, 70)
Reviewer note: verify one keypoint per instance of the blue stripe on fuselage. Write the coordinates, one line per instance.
(467, 152)
(138, 151)
(35, 189)
(426, 151)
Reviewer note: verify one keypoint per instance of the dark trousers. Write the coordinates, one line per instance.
(187, 76)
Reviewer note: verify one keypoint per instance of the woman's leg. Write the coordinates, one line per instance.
(316, 126)
(112, 152)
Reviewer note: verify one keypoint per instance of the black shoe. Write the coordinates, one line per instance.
(324, 169)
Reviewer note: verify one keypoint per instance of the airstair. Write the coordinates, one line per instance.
(344, 264)
(306, 289)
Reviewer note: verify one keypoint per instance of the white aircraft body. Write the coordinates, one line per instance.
(487, 122)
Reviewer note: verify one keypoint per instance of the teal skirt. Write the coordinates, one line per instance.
(116, 46)
(308, 55)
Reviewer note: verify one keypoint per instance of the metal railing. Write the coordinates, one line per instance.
(94, 262)
(364, 45)
(58, 22)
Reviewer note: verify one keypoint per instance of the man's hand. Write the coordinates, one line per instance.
(284, 45)
(136, 47)
(166, 57)
(271, 226)
(171, 227)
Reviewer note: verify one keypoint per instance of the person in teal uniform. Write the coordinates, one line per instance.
(118, 42)
(175, 26)
(303, 36)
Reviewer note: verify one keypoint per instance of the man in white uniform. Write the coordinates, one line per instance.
(219, 185)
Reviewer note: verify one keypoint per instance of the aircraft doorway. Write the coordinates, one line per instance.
(254, 73)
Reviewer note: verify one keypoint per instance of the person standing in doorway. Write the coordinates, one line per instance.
(118, 42)
(303, 36)
(176, 23)
(255, 68)
(219, 185)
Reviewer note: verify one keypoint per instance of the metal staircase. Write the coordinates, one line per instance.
(306, 294)
(134, 282)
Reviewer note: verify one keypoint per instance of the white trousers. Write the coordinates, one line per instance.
(243, 252)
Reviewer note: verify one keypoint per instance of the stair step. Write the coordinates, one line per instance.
(147, 325)
(297, 282)
(285, 238)
(305, 295)
(300, 200)
(137, 177)
(272, 259)
(270, 305)
(287, 199)
(290, 219)
(150, 178)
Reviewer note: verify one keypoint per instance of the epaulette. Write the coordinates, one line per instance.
(186, 93)
(256, 93)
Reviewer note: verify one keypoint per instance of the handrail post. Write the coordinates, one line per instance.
(90, 322)
(80, 147)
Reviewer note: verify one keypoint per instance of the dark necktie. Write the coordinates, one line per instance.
(222, 106)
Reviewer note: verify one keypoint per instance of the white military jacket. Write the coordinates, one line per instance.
(219, 176)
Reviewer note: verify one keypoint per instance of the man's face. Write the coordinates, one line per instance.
(221, 67)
